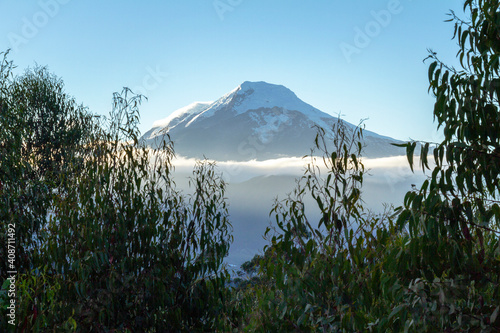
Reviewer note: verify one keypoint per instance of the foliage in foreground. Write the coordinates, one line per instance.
(107, 243)
(431, 265)
(105, 240)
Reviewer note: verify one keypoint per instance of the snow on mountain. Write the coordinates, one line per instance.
(219, 104)
(256, 95)
(253, 96)
(256, 120)
(179, 115)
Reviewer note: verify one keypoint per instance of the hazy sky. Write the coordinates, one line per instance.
(360, 58)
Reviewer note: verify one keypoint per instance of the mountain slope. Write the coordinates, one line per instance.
(257, 120)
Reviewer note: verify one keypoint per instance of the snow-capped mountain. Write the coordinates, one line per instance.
(257, 120)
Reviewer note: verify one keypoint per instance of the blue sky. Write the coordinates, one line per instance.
(359, 58)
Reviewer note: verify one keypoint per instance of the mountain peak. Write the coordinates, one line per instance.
(261, 85)
(254, 120)
(257, 95)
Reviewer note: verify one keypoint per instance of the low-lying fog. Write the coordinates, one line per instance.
(254, 185)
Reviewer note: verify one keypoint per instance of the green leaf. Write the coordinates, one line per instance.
(432, 67)
(283, 313)
(494, 315)
(423, 156)
(409, 153)
(402, 145)
(396, 310)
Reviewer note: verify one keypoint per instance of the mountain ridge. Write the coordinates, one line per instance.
(256, 120)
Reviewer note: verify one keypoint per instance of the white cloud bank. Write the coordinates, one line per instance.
(387, 169)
